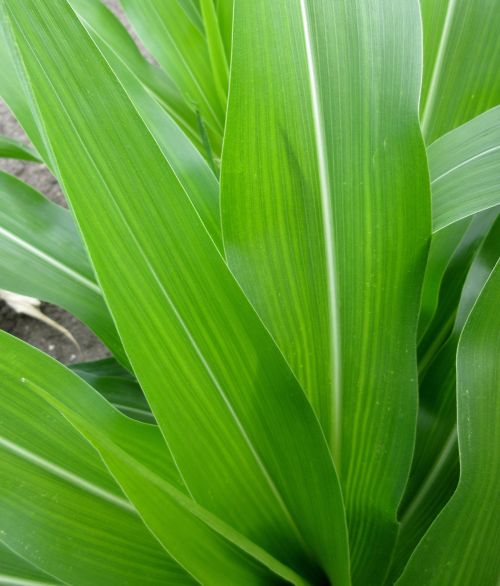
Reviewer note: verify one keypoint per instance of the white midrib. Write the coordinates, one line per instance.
(436, 70)
(427, 485)
(466, 162)
(6, 580)
(65, 475)
(328, 231)
(50, 260)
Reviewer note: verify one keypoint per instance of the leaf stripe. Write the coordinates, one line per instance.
(328, 228)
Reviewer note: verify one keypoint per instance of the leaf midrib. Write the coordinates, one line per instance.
(329, 234)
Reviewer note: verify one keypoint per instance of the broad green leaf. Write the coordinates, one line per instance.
(16, 571)
(138, 458)
(461, 546)
(117, 385)
(325, 210)
(464, 166)
(202, 356)
(460, 73)
(14, 149)
(113, 34)
(60, 508)
(40, 237)
(180, 47)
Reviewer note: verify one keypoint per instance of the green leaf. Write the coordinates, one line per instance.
(460, 73)
(225, 16)
(465, 170)
(444, 244)
(16, 571)
(461, 546)
(216, 50)
(13, 94)
(60, 508)
(40, 237)
(449, 295)
(191, 169)
(325, 210)
(117, 385)
(104, 25)
(138, 458)
(435, 468)
(180, 47)
(202, 356)
(14, 149)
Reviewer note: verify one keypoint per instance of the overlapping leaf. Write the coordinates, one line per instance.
(40, 237)
(325, 210)
(461, 545)
(203, 358)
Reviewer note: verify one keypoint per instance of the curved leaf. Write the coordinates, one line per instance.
(203, 358)
(180, 47)
(460, 74)
(461, 545)
(138, 458)
(117, 385)
(325, 210)
(14, 149)
(16, 571)
(109, 29)
(60, 508)
(465, 170)
(40, 237)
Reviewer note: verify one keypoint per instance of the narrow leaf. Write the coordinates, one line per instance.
(461, 545)
(465, 170)
(40, 237)
(14, 149)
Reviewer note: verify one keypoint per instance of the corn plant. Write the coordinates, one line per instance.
(285, 229)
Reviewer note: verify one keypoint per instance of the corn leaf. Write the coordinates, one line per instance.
(117, 385)
(40, 237)
(444, 244)
(203, 358)
(324, 168)
(225, 16)
(180, 47)
(460, 74)
(465, 170)
(138, 457)
(14, 149)
(461, 545)
(60, 508)
(17, 571)
(113, 34)
(435, 469)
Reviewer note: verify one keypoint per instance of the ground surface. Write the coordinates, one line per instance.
(36, 333)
